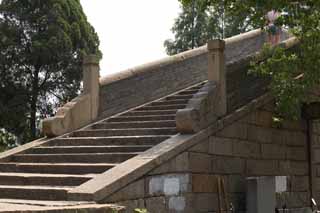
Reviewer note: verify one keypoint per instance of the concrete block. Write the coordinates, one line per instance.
(261, 196)
(228, 165)
(262, 167)
(246, 149)
(273, 151)
(221, 146)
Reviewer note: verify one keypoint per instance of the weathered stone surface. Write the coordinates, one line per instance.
(179, 163)
(221, 146)
(200, 162)
(259, 134)
(236, 130)
(262, 167)
(202, 147)
(133, 191)
(156, 204)
(246, 149)
(204, 183)
(293, 168)
(200, 111)
(297, 153)
(298, 183)
(226, 165)
(273, 151)
(168, 185)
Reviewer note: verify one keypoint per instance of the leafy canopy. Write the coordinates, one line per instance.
(302, 18)
(42, 44)
(199, 22)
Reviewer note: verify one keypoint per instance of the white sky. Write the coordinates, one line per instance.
(131, 32)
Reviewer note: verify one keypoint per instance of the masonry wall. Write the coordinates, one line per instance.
(149, 82)
(252, 146)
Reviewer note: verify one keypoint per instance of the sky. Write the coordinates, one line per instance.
(131, 32)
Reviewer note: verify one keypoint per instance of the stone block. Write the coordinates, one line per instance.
(168, 185)
(201, 202)
(228, 165)
(293, 168)
(200, 162)
(299, 183)
(246, 149)
(295, 138)
(259, 134)
(201, 147)
(177, 204)
(315, 140)
(221, 146)
(316, 155)
(262, 167)
(135, 190)
(203, 183)
(156, 204)
(132, 204)
(296, 153)
(237, 130)
(177, 164)
(260, 118)
(273, 151)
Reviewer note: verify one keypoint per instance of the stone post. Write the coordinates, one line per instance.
(216, 71)
(91, 82)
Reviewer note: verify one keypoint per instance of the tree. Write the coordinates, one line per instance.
(199, 22)
(303, 20)
(42, 44)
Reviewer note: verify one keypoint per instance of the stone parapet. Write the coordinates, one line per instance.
(83, 109)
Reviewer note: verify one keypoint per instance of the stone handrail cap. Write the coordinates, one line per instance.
(90, 59)
(216, 44)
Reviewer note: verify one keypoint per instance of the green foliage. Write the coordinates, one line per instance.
(198, 23)
(42, 44)
(303, 20)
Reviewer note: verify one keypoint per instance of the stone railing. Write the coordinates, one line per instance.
(210, 103)
(83, 109)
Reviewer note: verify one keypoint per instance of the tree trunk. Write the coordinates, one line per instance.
(33, 105)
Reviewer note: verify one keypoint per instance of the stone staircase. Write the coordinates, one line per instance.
(49, 171)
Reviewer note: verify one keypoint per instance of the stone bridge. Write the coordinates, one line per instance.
(182, 134)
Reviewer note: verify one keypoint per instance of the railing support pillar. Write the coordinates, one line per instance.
(216, 72)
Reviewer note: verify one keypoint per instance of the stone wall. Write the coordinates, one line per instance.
(151, 81)
(251, 146)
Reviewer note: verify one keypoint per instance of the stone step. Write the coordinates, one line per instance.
(87, 149)
(56, 168)
(43, 179)
(162, 107)
(150, 112)
(169, 102)
(74, 158)
(102, 141)
(179, 97)
(34, 192)
(142, 118)
(125, 132)
(135, 124)
(188, 92)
